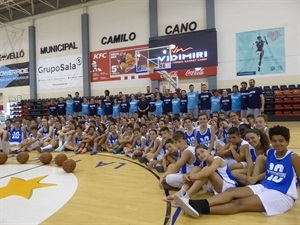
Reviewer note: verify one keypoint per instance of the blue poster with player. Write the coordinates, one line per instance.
(260, 52)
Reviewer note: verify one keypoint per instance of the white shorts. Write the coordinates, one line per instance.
(244, 165)
(34, 145)
(14, 143)
(175, 180)
(230, 161)
(273, 201)
(225, 186)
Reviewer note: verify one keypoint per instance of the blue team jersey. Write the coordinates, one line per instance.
(133, 106)
(280, 174)
(93, 107)
(116, 111)
(85, 108)
(107, 107)
(236, 101)
(100, 111)
(113, 140)
(77, 104)
(175, 106)
(192, 100)
(152, 105)
(159, 108)
(16, 135)
(203, 138)
(190, 137)
(215, 104)
(124, 107)
(69, 107)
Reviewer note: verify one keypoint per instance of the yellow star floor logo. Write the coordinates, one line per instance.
(23, 188)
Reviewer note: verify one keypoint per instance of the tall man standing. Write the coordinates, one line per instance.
(256, 99)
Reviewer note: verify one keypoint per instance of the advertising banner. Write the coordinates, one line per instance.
(114, 64)
(14, 75)
(260, 52)
(59, 73)
(191, 50)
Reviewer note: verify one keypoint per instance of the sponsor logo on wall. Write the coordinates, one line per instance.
(58, 48)
(115, 64)
(14, 75)
(260, 52)
(59, 73)
(12, 55)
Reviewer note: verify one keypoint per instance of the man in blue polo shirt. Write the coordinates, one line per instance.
(256, 100)
(204, 99)
(167, 99)
(192, 102)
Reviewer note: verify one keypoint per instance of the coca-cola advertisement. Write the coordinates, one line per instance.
(187, 73)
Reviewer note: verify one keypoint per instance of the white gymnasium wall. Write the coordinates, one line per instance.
(54, 30)
(14, 38)
(180, 12)
(119, 17)
(235, 16)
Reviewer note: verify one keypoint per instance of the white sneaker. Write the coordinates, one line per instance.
(185, 206)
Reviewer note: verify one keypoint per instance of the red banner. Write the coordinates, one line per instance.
(115, 64)
(187, 73)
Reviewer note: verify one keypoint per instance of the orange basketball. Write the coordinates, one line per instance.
(46, 157)
(3, 157)
(22, 157)
(60, 158)
(69, 165)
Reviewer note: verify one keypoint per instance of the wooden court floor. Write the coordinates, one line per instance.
(105, 189)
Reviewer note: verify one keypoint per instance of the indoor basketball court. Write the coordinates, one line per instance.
(105, 189)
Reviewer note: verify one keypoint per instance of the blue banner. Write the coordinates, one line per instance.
(260, 52)
(14, 75)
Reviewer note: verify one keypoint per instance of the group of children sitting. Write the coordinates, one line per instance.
(218, 153)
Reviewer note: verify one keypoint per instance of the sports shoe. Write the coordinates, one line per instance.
(142, 159)
(160, 169)
(117, 151)
(183, 203)
(93, 152)
(134, 156)
(167, 186)
(59, 149)
(39, 149)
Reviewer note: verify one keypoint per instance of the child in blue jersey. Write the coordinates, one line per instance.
(171, 155)
(260, 123)
(189, 131)
(275, 195)
(99, 141)
(125, 139)
(100, 110)
(85, 107)
(76, 139)
(16, 136)
(32, 142)
(213, 171)
(184, 164)
(158, 106)
(259, 144)
(175, 104)
(87, 141)
(112, 141)
(215, 102)
(116, 111)
(205, 134)
(234, 151)
(138, 145)
(133, 105)
(69, 105)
